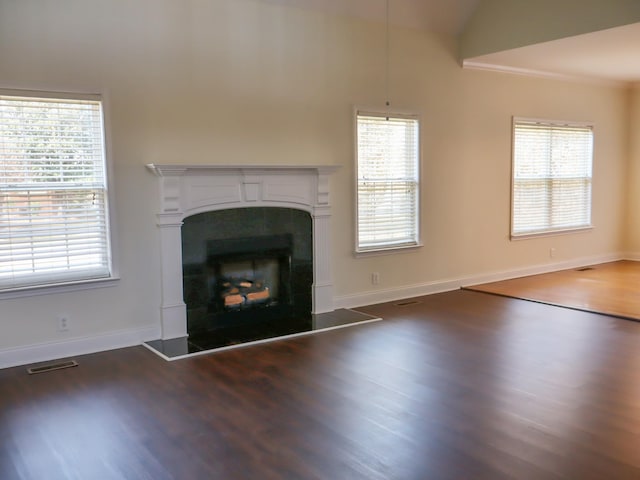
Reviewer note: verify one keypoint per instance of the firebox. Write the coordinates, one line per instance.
(249, 278)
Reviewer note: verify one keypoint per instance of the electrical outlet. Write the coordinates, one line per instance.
(63, 323)
(552, 252)
(375, 278)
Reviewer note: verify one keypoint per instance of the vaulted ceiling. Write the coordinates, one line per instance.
(610, 55)
(589, 39)
(444, 16)
(593, 39)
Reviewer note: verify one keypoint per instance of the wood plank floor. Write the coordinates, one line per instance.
(461, 385)
(610, 288)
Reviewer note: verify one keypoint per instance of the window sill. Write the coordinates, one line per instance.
(551, 233)
(32, 291)
(388, 250)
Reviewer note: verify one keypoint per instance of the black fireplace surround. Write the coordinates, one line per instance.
(247, 270)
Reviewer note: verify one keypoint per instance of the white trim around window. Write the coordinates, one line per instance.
(55, 222)
(552, 164)
(387, 165)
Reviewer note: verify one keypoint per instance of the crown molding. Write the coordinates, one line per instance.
(528, 72)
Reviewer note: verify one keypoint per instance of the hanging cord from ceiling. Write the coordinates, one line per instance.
(386, 57)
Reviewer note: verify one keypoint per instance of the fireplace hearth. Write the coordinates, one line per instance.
(233, 337)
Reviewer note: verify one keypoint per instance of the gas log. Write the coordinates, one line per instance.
(237, 293)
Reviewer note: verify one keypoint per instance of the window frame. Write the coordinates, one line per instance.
(76, 284)
(388, 249)
(549, 231)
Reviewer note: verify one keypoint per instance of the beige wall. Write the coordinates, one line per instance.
(632, 211)
(239, 81)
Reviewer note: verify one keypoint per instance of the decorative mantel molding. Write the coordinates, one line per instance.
(186, 190)
(209, 186)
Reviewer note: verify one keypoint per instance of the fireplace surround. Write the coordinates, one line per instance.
(187, 190)
(245, 266)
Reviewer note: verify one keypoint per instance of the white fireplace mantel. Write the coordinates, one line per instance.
(186, 190)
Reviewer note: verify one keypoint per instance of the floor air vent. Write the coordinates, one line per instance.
(407, 303)
(584, 269)
(52, 366)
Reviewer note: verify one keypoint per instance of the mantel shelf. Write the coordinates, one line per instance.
(182, 169)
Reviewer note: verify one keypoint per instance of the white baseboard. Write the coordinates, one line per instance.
(44, 352)
(446, 285)
(635, 256)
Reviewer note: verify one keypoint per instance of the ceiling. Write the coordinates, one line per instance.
(610, 55)
(607, 56)
(443, 16)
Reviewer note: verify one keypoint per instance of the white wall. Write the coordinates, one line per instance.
(226, 81)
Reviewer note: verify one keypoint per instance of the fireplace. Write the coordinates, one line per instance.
(188, 193)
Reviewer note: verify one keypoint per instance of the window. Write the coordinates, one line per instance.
(53, 191)
(387, 181)
(552, 165)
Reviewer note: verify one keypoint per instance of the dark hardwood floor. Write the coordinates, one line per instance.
(462, 385)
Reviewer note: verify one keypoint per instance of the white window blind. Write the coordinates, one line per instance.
(388, 181)
(552, 170)
(53, 192)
